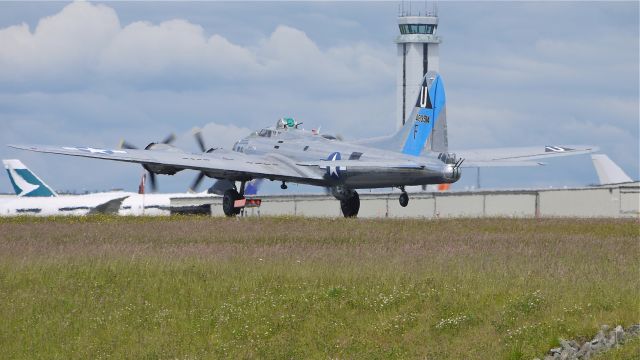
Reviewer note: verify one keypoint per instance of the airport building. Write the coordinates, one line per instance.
(606, 201)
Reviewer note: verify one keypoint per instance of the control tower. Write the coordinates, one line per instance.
(418, 44)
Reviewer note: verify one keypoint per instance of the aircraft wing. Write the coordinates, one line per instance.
(519, 156)
(219, 163)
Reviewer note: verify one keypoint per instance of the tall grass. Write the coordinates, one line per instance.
(101, 287)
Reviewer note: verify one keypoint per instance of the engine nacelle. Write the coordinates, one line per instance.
(160, 146)
(160, 169)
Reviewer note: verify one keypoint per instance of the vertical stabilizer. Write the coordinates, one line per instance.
(608, 171)
(426, 126)
(426, 117)
(25, 182)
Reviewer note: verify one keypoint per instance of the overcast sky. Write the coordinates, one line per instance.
(516, 74)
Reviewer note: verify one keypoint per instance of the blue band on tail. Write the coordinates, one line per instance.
(430, 102)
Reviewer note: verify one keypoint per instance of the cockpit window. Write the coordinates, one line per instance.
(268, 133)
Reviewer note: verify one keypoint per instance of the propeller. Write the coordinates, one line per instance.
(196, 183)
(169, 139)
(152, 176)
(197, 133)
(220, 186)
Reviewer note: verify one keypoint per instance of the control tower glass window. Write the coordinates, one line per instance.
(417, 29)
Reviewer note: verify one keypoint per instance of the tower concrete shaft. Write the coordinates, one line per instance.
(417, 53)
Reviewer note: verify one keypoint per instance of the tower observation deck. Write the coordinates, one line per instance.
(417, 53)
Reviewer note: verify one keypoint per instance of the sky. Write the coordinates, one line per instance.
(516, 74)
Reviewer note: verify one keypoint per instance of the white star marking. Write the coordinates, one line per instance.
(333, 170)
(96, 151)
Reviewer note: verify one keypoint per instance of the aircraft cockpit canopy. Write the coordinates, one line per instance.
(268, 133)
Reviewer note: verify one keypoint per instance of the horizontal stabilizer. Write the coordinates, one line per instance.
(520, 156)
(475, 164)
(608, 171)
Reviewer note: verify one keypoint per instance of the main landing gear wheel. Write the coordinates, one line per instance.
(350, 206)
(229, 198)
(404, 199)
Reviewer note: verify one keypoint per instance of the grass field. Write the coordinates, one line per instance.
(187, 288)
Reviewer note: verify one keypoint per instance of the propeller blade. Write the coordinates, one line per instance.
(196, 182)
(169, 139)
(198, 135)
(152, 181)
(125, 145)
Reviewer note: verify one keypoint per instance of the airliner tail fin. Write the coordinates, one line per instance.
(25, 182)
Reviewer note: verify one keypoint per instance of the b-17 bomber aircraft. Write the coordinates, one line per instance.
(417, 154)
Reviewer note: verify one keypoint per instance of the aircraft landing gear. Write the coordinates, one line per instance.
(350, 205)
(229, 199)
(228, 202)
(404, 198)
(283, 186)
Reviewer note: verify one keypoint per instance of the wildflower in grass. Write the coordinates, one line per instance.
(453, 322)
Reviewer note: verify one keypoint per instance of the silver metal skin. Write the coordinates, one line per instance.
(287, 153)
(311, 153)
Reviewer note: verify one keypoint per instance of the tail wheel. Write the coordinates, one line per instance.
(229, 198)
(404, 199)
(350, 206)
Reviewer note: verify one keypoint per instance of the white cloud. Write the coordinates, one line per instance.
(84, 45)
(65, 46)
(90, 76)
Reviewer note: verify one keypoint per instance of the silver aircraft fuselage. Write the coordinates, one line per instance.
(323, 154)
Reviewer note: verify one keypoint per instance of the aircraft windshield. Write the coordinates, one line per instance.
(267, 133)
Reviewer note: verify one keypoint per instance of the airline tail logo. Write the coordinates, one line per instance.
(24, 182)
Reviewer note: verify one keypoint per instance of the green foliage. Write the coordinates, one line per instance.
(630, 350)
(184, 287)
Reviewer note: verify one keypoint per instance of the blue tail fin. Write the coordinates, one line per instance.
(25, 182)
(429, 110)
(426, 127)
